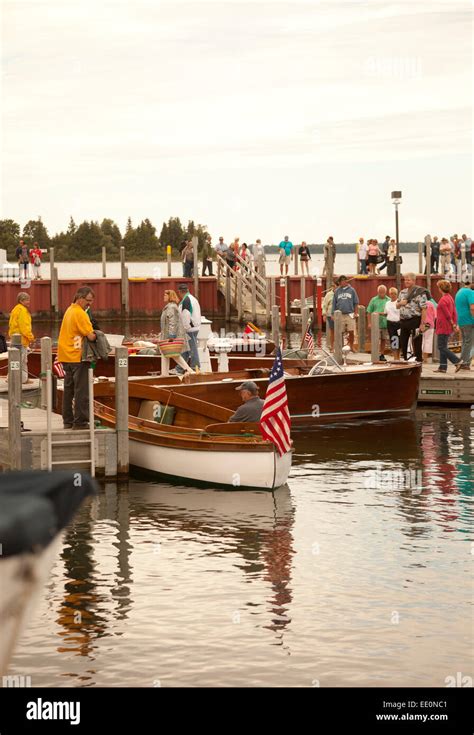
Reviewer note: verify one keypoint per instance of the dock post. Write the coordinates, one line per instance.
(46, 364)
(227, 295)
(295, 258)
(165, 366)
(104, 261)
(54, 282)
(319, 302)
(435, 355)
(283, 303)
(253, 286)
(361, 328)
(268, 302)
(338, 337)
(275, 325)
(14, 402)
(374, 337)
(196, 265)
(428, 263)
(302, 294)
(240, 303)
(420, 257)
(273, 299)
(168, 259)
(121, 409)
(124, 281)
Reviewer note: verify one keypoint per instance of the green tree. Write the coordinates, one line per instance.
(172, 233)
(199, 230)
(111, 238)
(9, 237)
(71, 227)
(35, 231)
(86, 243)
(129, 225)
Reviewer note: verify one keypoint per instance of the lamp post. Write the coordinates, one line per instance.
(396, 197)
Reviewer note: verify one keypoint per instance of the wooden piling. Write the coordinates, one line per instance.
(268, 302)
(283, 290)
(227, 295)
(124, 282)
(104, 261)
(275, 325)
(338, 337)
(240, 301)
(374, 337)
(253, 287)
(53, 283)
(168, 259)
(14, 402)
(302, 293)
(420, 257)
(304, 322)
(46, 364)
(196, 265)
(428, 263)
(121, 409)
(295, 258)
(361, 328)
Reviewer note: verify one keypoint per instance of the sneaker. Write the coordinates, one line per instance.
(173, 371)
(67, 426)
(464, 367)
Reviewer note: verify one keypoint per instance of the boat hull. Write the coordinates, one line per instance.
(237, 471)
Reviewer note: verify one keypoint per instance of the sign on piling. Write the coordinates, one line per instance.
(121, 409)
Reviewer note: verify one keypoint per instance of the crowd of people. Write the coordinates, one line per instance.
(408, 320)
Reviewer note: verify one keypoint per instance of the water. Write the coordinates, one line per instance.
(358, 573)
(345, 264)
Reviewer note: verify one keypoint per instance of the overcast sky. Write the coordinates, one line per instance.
(257, 119)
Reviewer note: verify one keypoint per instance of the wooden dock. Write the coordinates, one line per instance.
(70, 449)
(32, 436)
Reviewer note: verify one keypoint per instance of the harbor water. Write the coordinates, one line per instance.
(357, 573)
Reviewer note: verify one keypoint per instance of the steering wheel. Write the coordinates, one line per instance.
(319, 368)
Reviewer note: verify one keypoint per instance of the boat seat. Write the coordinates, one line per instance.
(156, 411)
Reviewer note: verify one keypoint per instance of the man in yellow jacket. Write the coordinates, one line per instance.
(76, 326)
(20, 323)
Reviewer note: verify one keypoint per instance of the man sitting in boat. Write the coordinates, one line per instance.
(252, 405)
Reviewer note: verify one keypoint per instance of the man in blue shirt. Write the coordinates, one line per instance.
(465, 309)
(347, 302)
(285, 254)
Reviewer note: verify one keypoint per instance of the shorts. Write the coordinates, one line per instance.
(374, 259)
(428, 341)
(284, 259)
(348, 323)
(330, 322)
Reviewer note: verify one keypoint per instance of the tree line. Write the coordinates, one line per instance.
(86, 240)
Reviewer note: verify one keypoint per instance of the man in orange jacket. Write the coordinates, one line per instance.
(20, 323)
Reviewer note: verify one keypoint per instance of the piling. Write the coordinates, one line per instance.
(283, 303)
(375, 337)
(168, 259)
(104, 262)
(196, 266)
(14, 402)
(121, 409)
(338, 337)
(275, 325)
(124, 282)
(46, 364)
(361, 328)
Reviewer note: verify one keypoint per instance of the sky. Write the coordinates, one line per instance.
(257, 119)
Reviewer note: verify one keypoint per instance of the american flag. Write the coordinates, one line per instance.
(58, 369)
(275, 421)
(308, 340)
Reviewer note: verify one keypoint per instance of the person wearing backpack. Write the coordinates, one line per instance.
(23, 259)
(35, 260)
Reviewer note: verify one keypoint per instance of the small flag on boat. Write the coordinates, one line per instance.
(308, 340)
(58, 369)
(275, 421)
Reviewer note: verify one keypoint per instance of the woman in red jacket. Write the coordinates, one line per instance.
(446, 323)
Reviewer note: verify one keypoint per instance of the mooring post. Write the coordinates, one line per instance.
(121, 409)
(361, 328)
(374, 337)
(275, 325)
(283, 303)
(304, 322)
(14, 402)
(46, 364)
(124, 281)
(338, 337)
(227, 294)
(104, 261)
(196, 268)
(168, 259)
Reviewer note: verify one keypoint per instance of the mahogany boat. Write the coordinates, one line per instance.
(187, 439)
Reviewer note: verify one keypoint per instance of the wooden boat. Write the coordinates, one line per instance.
(34, 508)
(244, 346)
(143, 365)
(196, 445)
(359, 391)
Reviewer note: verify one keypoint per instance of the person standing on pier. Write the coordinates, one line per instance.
(326, 309)
(285, 248)
(259, 257)
(393, 322)
(362, 256)
(75, 327)
(191, 315)
(435, 255)
(329, 259)
(377, 305)
(23, 259)
(446, 324)
(412, 305)
(347, 302)
(305, 257)
(465, 309)
(385, 247)
(207, 257)
(35, 259)
(20, 323)
(188, 260)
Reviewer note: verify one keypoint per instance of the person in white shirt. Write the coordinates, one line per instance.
(362, 255)
(393, 322)
(191, 315)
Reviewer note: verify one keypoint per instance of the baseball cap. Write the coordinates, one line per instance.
(248, 385)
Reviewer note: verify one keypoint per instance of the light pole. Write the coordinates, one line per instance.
(396, 197)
